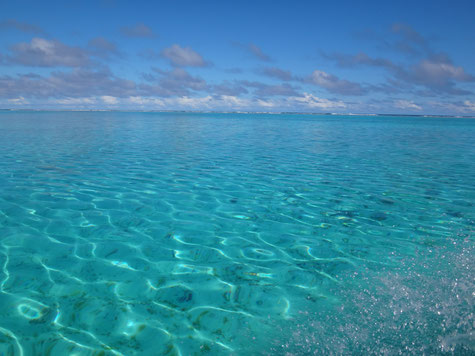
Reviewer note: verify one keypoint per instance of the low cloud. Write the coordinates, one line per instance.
(438, 74)
(208, 102)
(466, 107)
(41, 52)
(276, 90)
(176, 82)
(277, 73)
(75, 102)
(311, 101)
(333, 84)
(263, 90)
(18, 101)
(306, 102)
(360, 59)
(183, 57)
(139, 30)
(76, 83)
(406, 105)
(110, 100)
(469, 105)
(433, 71)
(229, 89)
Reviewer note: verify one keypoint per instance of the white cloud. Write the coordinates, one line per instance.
(18, 101)
(186, 102)
(438, 72)
(266, 103)
(110, 100)
(234, 101)
(458, 107)
(74, 101)
(312, 101)
(308, 102)
(183, 56)
(406, 104)
(41, 52)
(334, 84)
(469, 105)
(78, 83)
(194, 103)
(145, 101)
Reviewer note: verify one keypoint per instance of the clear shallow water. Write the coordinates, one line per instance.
(227, 234)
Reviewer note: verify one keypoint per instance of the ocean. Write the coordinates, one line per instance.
(128, 233)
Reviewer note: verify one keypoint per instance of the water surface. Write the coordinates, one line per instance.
(233, 234)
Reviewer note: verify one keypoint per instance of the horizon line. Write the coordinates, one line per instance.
(240, 112)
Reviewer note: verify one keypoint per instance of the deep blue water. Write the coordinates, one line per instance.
(235, 234)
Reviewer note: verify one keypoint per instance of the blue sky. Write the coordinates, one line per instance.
(412, 57)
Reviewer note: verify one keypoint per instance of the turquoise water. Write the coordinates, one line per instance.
(235, 234)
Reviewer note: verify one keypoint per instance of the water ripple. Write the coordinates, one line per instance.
(190, 234)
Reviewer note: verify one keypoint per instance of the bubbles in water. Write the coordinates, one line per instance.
(416, 308)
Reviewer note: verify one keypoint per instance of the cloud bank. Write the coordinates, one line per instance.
(95, 74)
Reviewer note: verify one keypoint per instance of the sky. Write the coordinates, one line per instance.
(402, 57)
